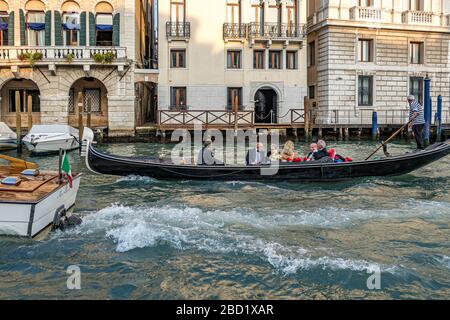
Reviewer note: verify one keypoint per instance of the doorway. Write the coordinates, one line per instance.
(266, 103)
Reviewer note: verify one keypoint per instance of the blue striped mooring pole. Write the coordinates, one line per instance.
(439, 119)
(427, 111)
(374, 125)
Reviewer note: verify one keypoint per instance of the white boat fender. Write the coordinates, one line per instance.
(62, 222)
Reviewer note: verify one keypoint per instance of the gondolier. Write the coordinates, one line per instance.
(416, 116)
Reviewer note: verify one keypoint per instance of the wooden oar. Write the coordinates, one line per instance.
(18, 165)
(383, 145)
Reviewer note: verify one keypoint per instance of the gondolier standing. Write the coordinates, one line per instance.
(416, 116)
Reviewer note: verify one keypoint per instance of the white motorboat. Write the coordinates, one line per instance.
(8, 138)
(32, 201)
(51, 138)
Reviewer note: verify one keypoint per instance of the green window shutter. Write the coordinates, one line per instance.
(22, 28)
(116, 30)
(11, 29)
(58, 29)
(48, 28)
(83, 29)
(91, 29)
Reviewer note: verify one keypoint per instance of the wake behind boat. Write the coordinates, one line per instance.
(52, 138)
(103, 163)
(8, 138)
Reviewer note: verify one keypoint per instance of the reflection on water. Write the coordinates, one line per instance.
(147, 239)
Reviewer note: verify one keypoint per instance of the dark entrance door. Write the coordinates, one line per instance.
(266, 106)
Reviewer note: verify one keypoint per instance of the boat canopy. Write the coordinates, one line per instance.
(6, 131)
(53, 128)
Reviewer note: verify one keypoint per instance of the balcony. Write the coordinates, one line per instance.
(178, 30)
(60, 55)
(417, 17)
(234, 31)
(276, 31)
(365, 14)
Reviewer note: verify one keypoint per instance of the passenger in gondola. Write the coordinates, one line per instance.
(288, 154)
(322, 151)
(273, 154)
(206, 155)
(256, 156)
(312, 151)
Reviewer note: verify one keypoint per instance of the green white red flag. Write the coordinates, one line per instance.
(65, 168)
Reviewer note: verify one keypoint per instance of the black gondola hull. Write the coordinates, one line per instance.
(103, 163)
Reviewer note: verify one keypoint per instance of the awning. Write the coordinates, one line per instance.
(104, 27)
(3, 26)
(36, 26)
(71, 26)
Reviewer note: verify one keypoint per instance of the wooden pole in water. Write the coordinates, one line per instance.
(30, 112)
(18, 122)
(80, 116)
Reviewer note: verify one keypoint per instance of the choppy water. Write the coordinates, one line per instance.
(148, 239)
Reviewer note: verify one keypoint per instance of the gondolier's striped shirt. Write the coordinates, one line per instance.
(416, 107)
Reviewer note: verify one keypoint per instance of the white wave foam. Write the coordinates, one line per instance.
(444, 260)
(135, 178)
(212, 231)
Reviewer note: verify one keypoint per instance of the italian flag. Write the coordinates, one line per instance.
(65, 168)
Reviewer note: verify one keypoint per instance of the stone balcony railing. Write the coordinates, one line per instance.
(276, 31)
(365, 14)
(61, 54)
(417, 17)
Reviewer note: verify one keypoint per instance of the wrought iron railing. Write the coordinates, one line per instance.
(178, 30)
(234, 30)
(276, 30)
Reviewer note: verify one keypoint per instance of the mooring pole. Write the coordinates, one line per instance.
(427, 111)
(30, 112)
(374, 125)
(18, 122)
(439, 119)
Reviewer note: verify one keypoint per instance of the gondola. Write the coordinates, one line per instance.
(103, 163)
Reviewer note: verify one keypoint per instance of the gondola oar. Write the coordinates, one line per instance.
(383, 145)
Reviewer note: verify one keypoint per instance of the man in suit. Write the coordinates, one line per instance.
(206, 155)
(256, 156)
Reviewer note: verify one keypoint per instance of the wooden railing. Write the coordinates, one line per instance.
(214, 118)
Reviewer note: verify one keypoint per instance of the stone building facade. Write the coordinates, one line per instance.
(56, 53)
(225, 55)
(369, 55)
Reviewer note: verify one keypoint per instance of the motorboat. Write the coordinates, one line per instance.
(31, 201)
(52, 138)
(8, 138)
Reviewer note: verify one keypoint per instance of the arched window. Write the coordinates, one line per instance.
(4, 23)
(71, 23)
(104, 24)
(35, 22)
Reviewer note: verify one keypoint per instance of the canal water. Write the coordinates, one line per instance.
(147, 239)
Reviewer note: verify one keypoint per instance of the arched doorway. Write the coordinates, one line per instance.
(92, 93)
(28, 102)
(266, 106)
